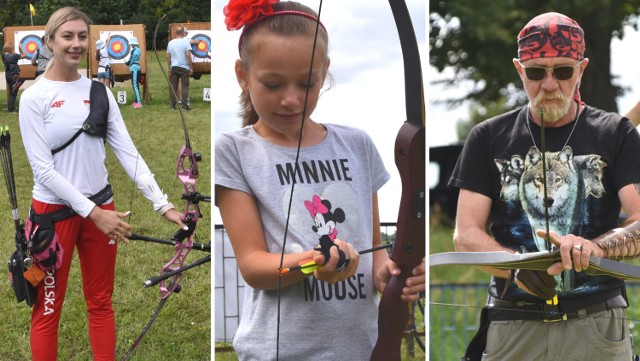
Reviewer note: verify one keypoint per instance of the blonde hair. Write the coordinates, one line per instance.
(282, 25)
(59, 17)
(8, 47)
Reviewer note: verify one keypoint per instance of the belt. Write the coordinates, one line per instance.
(99, 198)
(552, 311)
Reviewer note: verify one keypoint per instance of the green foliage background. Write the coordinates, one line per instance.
(108, 12)
(477, 40)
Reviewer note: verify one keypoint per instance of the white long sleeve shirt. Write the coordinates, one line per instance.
(51, 112)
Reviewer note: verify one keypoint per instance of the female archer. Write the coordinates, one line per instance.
(72, 204)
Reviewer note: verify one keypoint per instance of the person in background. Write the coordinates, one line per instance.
(41, 58)
(12, 74)
(134, 67)
(104, 61)
(180, 67)
(191, 42)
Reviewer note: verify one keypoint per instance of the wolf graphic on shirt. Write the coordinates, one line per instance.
(591, 169)
(570, 180)
(565, 191)
(510, 172)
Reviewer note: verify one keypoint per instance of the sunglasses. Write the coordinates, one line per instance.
(561, 72)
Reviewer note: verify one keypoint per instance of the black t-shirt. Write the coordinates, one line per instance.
(587, 161)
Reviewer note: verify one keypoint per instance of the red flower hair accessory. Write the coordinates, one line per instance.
(239, 13)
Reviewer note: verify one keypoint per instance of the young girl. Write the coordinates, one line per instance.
(52, 110)
(333, 310)
(134, 68)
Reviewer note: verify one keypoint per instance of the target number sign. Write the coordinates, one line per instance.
(122, 97)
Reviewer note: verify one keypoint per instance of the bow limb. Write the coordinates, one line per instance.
(409, 247)
(535, 261)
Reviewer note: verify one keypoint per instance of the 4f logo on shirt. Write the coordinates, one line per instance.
(57, 104)
(87, 104)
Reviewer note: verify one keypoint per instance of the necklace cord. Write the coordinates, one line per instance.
(575, 122)
(547, 240)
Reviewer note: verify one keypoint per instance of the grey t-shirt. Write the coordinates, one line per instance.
(44, 56)
(333, 196)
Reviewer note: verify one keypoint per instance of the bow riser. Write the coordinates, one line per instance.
(410, 156)
(410, 161)
(409, 247)
(187, 171)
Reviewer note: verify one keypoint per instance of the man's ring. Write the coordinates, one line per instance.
(578, 247)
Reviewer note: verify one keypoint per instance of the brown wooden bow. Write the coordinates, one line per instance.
(410, 153)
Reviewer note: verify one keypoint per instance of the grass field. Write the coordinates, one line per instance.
(183, 328)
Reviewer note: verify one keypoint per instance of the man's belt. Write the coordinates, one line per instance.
(563, 310)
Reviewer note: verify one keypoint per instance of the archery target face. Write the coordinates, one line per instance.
(202, 50)
(118, 46)
(31, 44)
(30, 41)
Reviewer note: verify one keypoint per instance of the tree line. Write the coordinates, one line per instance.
(477, 40)
(108, 12)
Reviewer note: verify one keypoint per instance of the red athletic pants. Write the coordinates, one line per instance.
(97, 255)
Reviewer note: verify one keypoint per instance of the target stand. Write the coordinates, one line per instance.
(30, 38)
(119, 49)
(201, 52)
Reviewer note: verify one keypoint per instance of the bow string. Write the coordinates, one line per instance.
(293, 184)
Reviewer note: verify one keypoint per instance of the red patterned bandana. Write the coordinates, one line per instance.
(551, 35)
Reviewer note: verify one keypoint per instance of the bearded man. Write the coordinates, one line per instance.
(550, 173)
